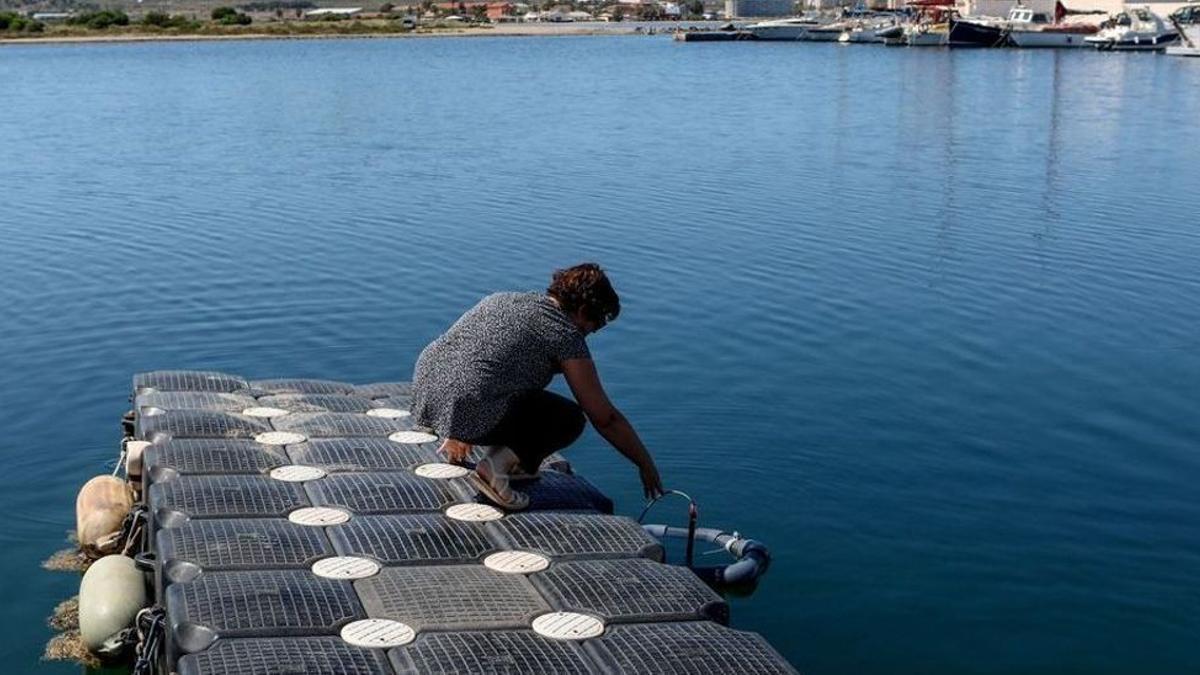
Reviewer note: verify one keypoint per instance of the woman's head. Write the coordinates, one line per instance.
(584, 291)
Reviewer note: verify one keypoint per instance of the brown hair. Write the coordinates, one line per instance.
(585, 287)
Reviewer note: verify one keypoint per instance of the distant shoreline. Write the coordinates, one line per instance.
(499, 30)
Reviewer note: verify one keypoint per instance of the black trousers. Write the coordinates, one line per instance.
(538, 424)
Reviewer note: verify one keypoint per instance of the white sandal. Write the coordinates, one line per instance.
(499, 462)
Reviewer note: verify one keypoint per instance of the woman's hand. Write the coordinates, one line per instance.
(651, 483)
(455, 450)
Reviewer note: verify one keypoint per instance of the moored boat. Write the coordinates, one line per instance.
(977, 31)
(859, 32)
(927, 34)
(829, 32)
(1187, 22)
(1135, 29)
(795, 28)
(1053, 35)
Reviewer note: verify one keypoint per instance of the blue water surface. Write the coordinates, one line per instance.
(923, 321)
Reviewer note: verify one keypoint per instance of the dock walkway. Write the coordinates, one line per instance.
(305, 526)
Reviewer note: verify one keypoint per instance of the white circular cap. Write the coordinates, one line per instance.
(412, 437)
(318, 515)
(474, 513)
(137, 446)
(568, 626)
(265, 412)
(345, 567)
(441, 470)
(296, 473)
(389, 413)
(516, 562)
(280, 438)
(377, 633)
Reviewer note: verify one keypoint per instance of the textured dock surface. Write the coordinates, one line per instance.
(254, 487)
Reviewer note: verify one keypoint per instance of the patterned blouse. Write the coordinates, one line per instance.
(505, 346)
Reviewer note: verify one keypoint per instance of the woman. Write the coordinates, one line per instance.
(483, 383)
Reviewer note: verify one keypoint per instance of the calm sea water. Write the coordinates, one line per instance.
(925, 322)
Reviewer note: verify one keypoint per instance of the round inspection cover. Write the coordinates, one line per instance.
(297, 473)
(516, 562)
(280, 438)
(568, 626)
(318, 515)
(412, 437)
(265, 412)
(377, 633)
(345, 567)
(474, 513)
(388, 413)
(441, 471)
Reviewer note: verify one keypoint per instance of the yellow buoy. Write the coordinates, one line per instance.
(100, 508)
(110, 595)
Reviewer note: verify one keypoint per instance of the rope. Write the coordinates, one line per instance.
(120, 467)
(131, 529)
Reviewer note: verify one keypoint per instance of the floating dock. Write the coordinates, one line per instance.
(305, 526)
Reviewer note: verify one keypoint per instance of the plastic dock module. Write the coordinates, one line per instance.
(577, 535)
(468, 597)
(157, 402)
(298, 386)
(412, 539)
(564, 492)
(239, 544)
(339, 425)
(310, 527)
(258, 604)
(692, 648)
(198, 424)
(273, 656)
(197, 456)
(379, 492)
(223, 497)
(361, 454)
(510, 652)
(635, 589)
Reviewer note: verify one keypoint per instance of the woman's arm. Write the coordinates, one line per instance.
(609, 422)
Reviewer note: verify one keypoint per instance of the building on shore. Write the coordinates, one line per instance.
(758, 8)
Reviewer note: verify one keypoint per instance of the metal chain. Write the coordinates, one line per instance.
(151, 625)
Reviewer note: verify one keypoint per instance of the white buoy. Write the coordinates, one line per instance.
(110, 595)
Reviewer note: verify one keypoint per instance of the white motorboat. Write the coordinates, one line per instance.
(1187, 21)
(1029, 29)
(858, 32)
(1136, 29)
(795, 28)
(829, 32)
